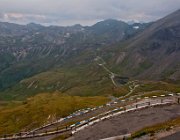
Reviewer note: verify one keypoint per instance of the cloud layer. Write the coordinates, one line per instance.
(86, 12)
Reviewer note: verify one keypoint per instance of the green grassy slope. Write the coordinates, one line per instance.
(89, 80)
(35, 111)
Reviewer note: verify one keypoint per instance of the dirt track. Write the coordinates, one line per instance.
(129, 122)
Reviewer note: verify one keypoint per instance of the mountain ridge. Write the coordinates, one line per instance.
(148, 53)
(157, 43)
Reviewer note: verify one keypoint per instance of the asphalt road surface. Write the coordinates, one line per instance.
(128, 123)
(175, 136)
(120, 125)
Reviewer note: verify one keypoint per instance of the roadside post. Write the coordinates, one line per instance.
(20, 134)
(161, 100)
(136, 105)
(178, 100)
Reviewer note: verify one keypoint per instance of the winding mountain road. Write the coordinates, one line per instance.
(91, 121)
(102, 64)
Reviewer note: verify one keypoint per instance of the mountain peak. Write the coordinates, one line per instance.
(32, 24)
(109, 22)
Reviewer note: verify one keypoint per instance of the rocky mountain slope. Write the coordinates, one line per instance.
(35, 58)
(154, 53)
(25, 48)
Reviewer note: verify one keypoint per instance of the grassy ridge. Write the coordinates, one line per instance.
(42, 108)
(146, 86)
(91, 80)
(74, 81)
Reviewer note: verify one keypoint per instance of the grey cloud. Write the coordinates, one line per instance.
(68, 12)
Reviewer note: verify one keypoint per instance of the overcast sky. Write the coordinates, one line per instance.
(85, 12)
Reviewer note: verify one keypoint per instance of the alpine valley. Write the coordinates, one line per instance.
(49, 72)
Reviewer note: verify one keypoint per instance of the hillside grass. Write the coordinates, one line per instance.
(148, 86)
(63, 80)
(43, 108)
(91, 80)
(62, 137)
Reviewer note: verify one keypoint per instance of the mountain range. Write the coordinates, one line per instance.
(36, 59)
